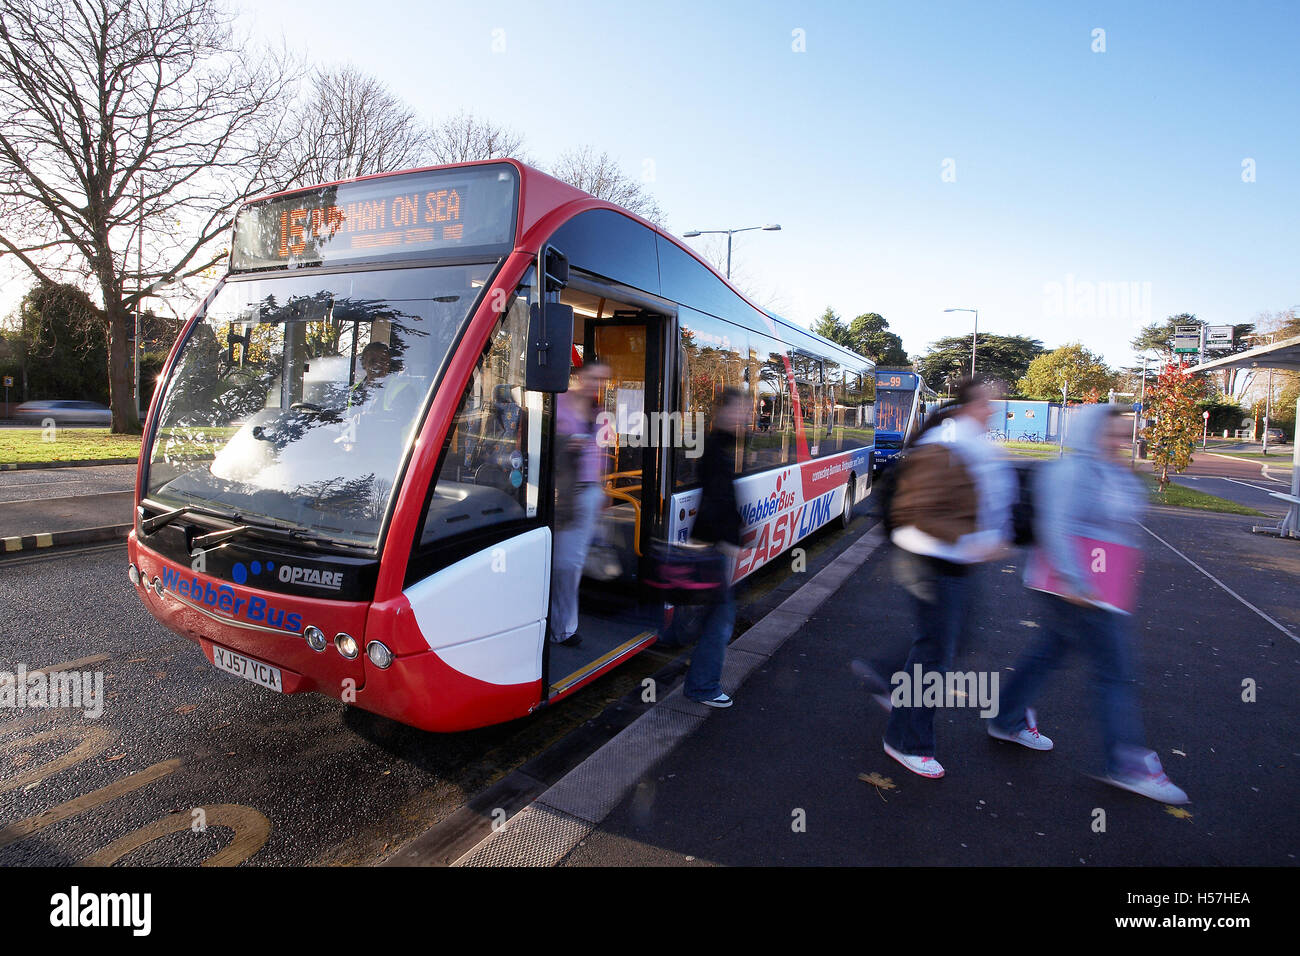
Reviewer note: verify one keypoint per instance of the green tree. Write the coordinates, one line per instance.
(1175, 420)
(830, 326)
(1072, 369)
(869, 335)
(57, 346)
(999, 357)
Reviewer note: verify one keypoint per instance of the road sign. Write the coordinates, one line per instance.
(1187, 338)
(1137, 406)
(1218, 337)
(9, 381)
(1205, 415)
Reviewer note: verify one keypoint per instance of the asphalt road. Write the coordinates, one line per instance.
(794, 773)
(296, 779)
(1244, 481)
(37, 484)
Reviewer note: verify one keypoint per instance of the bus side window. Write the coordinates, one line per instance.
(489, 473)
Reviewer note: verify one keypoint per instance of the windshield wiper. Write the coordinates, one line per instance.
(150, 525)
(202, 542)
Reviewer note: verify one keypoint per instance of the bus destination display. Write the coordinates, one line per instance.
(895, 380)
(443, 212)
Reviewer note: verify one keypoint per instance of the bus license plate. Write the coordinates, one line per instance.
(247, 668)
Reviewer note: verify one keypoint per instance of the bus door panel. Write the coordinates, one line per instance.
(485, 615)
(632, 402)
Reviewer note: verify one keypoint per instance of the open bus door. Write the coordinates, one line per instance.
(611, 624)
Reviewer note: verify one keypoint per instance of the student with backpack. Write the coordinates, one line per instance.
(950, 512)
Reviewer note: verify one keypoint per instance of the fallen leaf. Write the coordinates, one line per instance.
(116, 757)
(1028, 623)
(1180, 753)
(876, 780)
(186, 708)
(1178, 812)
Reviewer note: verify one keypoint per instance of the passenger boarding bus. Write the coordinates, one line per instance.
(346, 483)
(902, 402)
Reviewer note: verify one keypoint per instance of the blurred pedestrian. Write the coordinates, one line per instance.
(578, 496)
(951, 511)
(717, 522)
(1088, 505)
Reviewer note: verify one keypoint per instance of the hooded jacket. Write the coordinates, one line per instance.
(1087, 493)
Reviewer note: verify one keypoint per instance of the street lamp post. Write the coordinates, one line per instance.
(770, 227)
(973, 337)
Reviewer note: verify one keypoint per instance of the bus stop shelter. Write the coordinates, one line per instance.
(1283, 355)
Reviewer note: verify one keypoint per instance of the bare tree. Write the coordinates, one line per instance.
(463, 138)
(350, 125)
(123, 116)
(605, 179)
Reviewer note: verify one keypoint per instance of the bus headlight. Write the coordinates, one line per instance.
(316, 639)
(157, 587)
(379, 655)
(133, 573)
(347, 645)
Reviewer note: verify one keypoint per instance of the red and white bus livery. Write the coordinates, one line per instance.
(346, 484)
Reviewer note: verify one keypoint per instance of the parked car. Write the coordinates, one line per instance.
(64, 412)
(1275, 437)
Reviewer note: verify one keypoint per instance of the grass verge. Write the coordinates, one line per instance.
(1179, 496)
(28, 445)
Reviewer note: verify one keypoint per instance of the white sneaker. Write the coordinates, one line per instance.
(722, 700)
(1027, 736)
(921, 766)
(1149, 780)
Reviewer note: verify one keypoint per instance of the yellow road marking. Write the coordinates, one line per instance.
(24, 828)
(251, 832)
(598, 663)
(93, 740)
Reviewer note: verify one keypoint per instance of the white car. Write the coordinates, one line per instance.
(64, 412)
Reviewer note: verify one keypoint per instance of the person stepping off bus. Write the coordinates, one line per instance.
(578, 497)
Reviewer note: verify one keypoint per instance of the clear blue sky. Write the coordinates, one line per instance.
(1123, 166)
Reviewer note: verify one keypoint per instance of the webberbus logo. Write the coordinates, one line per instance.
(223, 598)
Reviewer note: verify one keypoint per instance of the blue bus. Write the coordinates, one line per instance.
(902, 402)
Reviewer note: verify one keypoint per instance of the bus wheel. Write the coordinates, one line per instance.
(846, 519)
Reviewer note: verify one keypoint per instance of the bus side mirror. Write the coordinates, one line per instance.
(550, 329)
(550, 347)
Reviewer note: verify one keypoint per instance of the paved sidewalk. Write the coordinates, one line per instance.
(778, 778)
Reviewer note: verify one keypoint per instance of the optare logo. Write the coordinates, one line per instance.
(288, 574)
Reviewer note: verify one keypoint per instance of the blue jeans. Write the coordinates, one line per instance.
(704, 679)
(940, 595)
(1101, 635)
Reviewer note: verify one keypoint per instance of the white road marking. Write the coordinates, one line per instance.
(1280, 627)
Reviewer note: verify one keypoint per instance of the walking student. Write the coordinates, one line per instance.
(1087, 506)
(578, 497)
(951, 512)
(718, 523)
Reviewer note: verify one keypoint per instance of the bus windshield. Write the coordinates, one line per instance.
(293, 399)
(893, 409)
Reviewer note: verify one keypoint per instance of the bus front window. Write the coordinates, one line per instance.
(294, 398)
(893, 409)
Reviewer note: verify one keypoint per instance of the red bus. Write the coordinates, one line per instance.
(346, 486)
